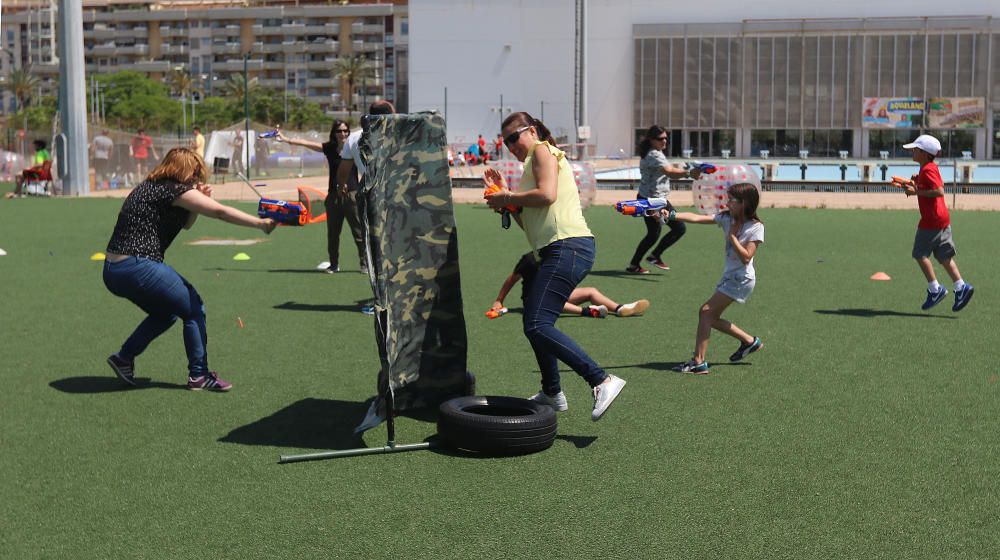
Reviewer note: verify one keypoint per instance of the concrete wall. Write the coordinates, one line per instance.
(479, 49)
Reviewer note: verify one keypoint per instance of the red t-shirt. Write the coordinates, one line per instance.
(933, 211)
(140, 146)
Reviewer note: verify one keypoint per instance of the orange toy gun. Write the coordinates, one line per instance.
(494, 313)
(901, 182)
(494, 184)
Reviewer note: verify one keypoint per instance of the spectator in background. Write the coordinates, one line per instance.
(498, 147)
(350, 151)
(141, 146)
(474, 154)
(40, 170)
(237, 161)
(481, 142)
(100, 153)
(261, 151)
(198, 142)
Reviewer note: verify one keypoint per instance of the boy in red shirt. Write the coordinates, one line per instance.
(934, 229)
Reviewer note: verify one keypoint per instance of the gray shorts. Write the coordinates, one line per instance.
(936, 241)
(738, 287)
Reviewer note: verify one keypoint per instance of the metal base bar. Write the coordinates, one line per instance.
(389, 448)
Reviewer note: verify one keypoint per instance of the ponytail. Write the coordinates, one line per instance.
(522, 119)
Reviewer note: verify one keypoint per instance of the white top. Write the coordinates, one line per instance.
(653, 181)
(102, 147)
(351, 150)
(751, 231)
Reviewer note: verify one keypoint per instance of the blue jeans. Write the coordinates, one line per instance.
(564, 265)
(166, 296)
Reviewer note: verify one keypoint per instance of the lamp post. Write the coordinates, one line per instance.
(246, 110)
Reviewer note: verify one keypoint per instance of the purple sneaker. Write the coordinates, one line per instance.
(210, 382)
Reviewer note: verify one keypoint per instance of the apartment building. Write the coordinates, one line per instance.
(292, 44)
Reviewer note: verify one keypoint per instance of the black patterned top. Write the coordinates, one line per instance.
(148, 221)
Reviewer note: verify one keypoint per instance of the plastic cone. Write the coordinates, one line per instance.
(241, 257)
(97, 257)
(880, 276)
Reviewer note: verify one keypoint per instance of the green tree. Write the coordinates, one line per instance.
(216, 112)
(352, 69)
(267, 106)
(22, 83)
(235, 85)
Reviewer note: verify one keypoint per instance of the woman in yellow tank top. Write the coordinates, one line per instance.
(553, 222)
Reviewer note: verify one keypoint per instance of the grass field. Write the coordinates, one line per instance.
(865, 429)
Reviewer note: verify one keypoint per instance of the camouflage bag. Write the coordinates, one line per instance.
(412, 251)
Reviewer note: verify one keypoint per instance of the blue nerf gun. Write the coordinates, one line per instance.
(284, 212)
(641, 207)
(269, 134)
(705, 168)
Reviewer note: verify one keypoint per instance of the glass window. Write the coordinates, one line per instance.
(827, 143)
(996, 136)
(786, 143)
(954, 142)
(404, 26)
(890, 141)
(761, 140)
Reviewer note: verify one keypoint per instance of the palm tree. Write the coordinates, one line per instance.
(21, 82)
(180, 82)
(352, 69)
(235, 86)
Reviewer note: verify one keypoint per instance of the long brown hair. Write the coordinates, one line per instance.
(182, 165)
(523, 119)
(653, 133)
(747, 193)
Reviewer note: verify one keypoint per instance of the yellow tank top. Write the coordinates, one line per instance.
(563, 218)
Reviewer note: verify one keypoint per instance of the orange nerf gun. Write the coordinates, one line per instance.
(493, 185)
(901, 182)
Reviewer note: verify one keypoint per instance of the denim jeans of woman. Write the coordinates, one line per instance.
(166, 296)
(563, 266)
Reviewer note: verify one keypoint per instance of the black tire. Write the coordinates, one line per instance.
(497, 425)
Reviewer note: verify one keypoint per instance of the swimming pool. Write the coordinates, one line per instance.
(791, 171)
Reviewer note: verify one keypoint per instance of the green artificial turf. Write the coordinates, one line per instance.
(864, 429)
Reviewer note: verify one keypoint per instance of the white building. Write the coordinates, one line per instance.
(791, 68)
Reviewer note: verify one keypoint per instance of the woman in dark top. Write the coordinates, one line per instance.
(171, 198)
(341, 204)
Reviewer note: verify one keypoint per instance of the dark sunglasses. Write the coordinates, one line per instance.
(343, 131)
(662, 138)
(513, 136)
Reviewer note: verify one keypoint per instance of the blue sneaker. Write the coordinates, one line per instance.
(934, 298)
(368, 309)
(746, 349)
(692, 366)
(962, 297)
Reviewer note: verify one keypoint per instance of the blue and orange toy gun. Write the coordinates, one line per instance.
(269, 134)
(641, 208)
(284, 212)
(705, 168)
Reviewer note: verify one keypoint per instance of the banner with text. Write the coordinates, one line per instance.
(892, 112)
(956, 112)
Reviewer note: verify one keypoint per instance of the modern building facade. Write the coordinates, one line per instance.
(291, 44)
(778, 76)
(785, 87)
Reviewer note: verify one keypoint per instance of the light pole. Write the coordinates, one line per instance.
(246, 110)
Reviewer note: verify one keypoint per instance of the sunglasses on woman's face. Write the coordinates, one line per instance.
(662, 138)
(513, 136)
(343, 131)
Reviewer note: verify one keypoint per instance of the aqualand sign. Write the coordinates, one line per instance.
(892, 112)
(910, 112)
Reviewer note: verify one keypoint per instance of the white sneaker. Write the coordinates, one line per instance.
(597, 311)
(605, 394)
(558, 402)
(634, 308)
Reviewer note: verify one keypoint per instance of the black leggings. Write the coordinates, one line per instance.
(653, 229)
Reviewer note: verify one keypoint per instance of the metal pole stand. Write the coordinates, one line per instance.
(390, 446)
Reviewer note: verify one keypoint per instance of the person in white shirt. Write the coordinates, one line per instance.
(351, 154)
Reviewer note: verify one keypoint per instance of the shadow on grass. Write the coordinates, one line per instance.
(306, 424)
(666, 366)
(313, 424)
(107, 384)
(622, 274)
(869, 313)
(293, 306)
